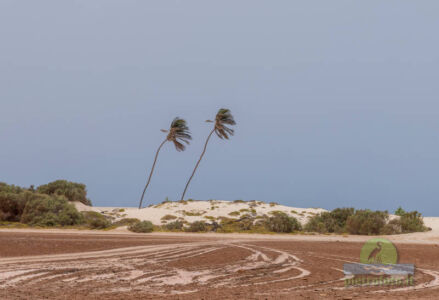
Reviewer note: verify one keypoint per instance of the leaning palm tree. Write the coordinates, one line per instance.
(178, 133)
(223, 118)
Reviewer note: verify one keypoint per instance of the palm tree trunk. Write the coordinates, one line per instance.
(198, 163)
(150, 174)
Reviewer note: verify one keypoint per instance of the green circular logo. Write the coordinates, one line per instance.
(379, 251)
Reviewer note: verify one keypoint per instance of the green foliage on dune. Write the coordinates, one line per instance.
(282, 223)
(329, 222)
(48, 205)
(44, 210)
(141, 227)
(71, 190)
(13, 200)
(365, 222)
(95, 220)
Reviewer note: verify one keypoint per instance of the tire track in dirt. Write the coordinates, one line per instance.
(183, 268)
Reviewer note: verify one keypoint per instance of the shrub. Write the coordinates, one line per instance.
(329, 222)
(234, 213)
(168, 217)
(400, 211)
(44, 210)
(71, 190)
(281, 222)
(175, 225)
(273, 204)
(126, 222)
(412, 222)
(197, 226)
(193, 213)
(245, 223)
(239, 201)
(366, 222)
(95, 220)
(142, 227)
(12, 205)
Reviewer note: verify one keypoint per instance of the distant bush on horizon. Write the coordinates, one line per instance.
(365, 222)
(48, 205)
(71, 190)
(330, 222)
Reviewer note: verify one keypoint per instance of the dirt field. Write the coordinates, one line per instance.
(42, 265)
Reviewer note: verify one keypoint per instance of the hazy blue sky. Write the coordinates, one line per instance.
(336, 101)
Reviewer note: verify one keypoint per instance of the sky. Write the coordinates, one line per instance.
(336, 102)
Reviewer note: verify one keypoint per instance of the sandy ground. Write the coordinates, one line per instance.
(59, 264)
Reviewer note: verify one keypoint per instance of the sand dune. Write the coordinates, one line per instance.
(201, 210)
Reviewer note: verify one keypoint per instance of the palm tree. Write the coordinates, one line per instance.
(177, 133)
(223, 118)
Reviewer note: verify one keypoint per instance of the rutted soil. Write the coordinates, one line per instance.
(93, 266)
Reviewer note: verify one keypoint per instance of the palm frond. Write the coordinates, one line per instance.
(178, 133)
(224, 117)
(179, 146)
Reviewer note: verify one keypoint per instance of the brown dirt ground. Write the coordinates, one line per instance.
(93, 266)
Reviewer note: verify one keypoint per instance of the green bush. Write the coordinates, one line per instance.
(142, 227)
(175, 225)
(238, 201)
(245, 223)
(168, 217)
(330, 222)
(412, 222)
(71, 190)
(44, 210)
(367, 222)
(12, 205)
(95, 220)
(126, 222)
(281, 222)
(197, 226)
(400, 211)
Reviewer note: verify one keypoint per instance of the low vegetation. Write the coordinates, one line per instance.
(95, 220)
(44, 210)
(168, 217)
(174, 226)
(198, 226)
(365, 222)
(282, 223)
(141, 227)
(50, 206)
(125, 222)
(234, 213)
(71, 190)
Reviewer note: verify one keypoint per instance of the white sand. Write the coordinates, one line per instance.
(198, 210)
